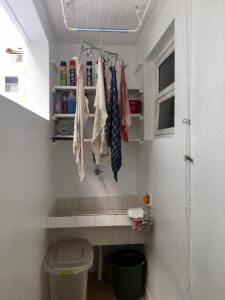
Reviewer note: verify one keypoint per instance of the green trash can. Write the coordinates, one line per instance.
(129, 274)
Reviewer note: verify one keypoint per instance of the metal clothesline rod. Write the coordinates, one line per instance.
(96, 29)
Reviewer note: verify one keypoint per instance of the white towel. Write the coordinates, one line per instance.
(99, 142)
(81, 116)
(135, 213)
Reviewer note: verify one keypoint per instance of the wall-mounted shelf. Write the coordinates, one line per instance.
(70, 137)
(91, 88)
(71, 116)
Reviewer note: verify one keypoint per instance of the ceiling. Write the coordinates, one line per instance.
(96, 13)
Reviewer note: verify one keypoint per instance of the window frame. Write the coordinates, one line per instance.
(165, 94)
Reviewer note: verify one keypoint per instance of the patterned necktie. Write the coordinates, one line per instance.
(113, 126)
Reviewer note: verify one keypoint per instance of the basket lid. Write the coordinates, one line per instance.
(74, 255)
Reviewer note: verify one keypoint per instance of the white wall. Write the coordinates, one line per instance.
(68, 183)
(36, 61)
(161, 167)
(208, 143)
(26, 194)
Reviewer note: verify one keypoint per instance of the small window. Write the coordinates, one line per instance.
(11, 84)
(166, 72)
(165, 93)
(166, 114)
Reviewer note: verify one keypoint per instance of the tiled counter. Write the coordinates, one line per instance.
(102, 220)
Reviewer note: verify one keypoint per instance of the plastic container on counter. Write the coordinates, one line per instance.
(135, 106)
(68, 263)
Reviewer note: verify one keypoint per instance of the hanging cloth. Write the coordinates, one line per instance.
(81, 116)
(113, 126)
(125, 115)
(105, 83)
(99, 143)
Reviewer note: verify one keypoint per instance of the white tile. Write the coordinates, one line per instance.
(104, 236)
(128, 202)
(120, 235)
(71, 204)
(87, 233)
(101, 203)
(138, 203)
(50, 222)
(72, 213)
(60, 204)
(60, 213)
(136, 237)
(85, 221)
(65, 222)
(87, 203)
(66, 233)
(105, 220)
(123, 220)
(115, 202)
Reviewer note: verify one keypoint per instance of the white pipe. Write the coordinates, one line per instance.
(120, 30)
(188, 84)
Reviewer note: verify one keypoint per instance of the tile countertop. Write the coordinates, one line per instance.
(91, 212)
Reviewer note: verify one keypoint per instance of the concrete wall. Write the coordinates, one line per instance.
(161, 168)
(26, 195)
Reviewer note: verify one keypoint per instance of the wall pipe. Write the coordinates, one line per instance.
(188, 159)
(118, 30)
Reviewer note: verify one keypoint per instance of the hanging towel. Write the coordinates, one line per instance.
(125, 116)
(113, 126)
(99, 143)
(105, 82)
(81, 116)
(135, 213)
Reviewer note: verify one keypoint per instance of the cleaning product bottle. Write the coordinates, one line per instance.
(63, 73)
(58, 104)
(96, 71)
(71, 103)
(89, 73)
(73, 80)
(65, 103)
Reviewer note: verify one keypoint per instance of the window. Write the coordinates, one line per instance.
(165, 92)
(11, 84)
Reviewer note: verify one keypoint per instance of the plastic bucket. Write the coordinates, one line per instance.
(129, 274)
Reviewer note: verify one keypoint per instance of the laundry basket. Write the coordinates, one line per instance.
(68, 263)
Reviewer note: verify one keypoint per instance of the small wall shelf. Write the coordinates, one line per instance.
(71, 116)
(91, 88)
(70, 137)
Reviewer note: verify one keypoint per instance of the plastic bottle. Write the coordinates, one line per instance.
(71, 103)
(96, 71)
(63, 73)
(58, 104)
(73, 79)
(65, 103)
(89, 73)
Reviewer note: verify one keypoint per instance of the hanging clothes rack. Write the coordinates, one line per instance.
(109, 56)
(66, 6)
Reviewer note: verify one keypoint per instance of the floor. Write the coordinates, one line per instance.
(100, 290)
